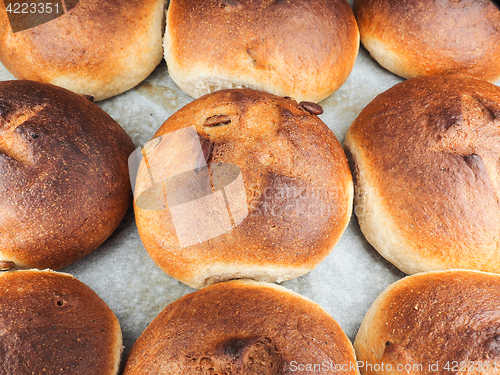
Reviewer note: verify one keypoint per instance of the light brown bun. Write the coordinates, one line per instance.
(415, 38)
(303, 49)
(100, 47)
(241, 327)
(51, 323)
(295, 203)
(64, 165)
(426, 173)
(441, 318)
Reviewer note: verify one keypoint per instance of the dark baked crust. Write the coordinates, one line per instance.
(240, 327)
(99, 48)
(52, 323)
(303, 49)
(64, 165)
(290, 163)
(436, 317)
(426, 154)
(427, 37)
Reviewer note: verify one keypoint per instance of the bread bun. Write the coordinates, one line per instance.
(241, 327)
(415, 38)
(427, 181)
(436, 322)
(99, 48)
(274, 200)
(51, 323)
(65, 185)
(303, 49)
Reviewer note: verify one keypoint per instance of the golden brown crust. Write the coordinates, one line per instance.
(99, 48)
(298, 191)
(64, 167)
(427, 37)
(438, 317)
(240, 327)
(427, 178)
(52, 323)
(303, 49)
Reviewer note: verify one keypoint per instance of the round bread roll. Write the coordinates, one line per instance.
(437, 322)
(99, 48)
(273, 199)
(51, 323)
(303, 49)
(65, 185)
(242, 327)
(414, 38)
(426, 156)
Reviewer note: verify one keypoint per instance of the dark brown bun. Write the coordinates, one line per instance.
(427, 322)
(241, 327)
(294, 203)
(304, 49)
(99, 48)
(427, 181)
(51, 323)
(415, 38)
(65, 185)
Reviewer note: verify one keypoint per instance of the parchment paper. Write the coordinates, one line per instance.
(125, 277)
